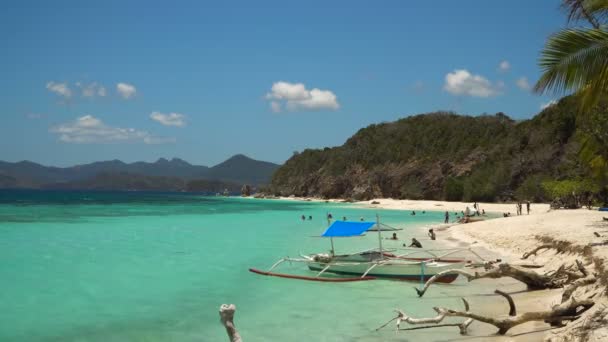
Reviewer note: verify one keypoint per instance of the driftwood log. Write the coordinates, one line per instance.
(227, 318)
(566, 311)
(402, 317)
(535, 250)
(534, 280)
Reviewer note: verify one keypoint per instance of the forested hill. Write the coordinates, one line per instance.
(442, 156)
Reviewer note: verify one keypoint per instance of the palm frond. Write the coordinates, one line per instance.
(594, 11)
(575, 60)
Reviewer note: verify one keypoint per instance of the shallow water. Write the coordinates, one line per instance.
(98, 266)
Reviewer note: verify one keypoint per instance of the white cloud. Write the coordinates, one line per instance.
(523, 84)
(92, 89)
(171, 119)
(126, 90)
(101, 91)
(462, 82)
(504, 66)
(61, 89)
(295, 96)
(547, 104)
(275, 106)
(88, 129)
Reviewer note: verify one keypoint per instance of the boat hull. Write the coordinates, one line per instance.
(409, 272)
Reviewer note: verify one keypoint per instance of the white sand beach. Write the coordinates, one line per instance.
(511, 237)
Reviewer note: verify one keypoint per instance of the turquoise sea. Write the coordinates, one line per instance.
(134, 266)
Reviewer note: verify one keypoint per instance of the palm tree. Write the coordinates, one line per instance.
(576, 59)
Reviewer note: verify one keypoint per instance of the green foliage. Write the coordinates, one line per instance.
(485, 183)
(531, 189)
(566, 188)
(576, 60)
(447, 156)
(453, 189)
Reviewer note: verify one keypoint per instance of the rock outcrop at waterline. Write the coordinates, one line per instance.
(442, 155)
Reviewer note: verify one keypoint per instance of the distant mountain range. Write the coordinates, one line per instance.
(163, 174)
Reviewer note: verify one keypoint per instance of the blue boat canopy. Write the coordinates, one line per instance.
(346, 229)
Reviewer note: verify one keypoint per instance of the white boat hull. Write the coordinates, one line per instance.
(395, 269)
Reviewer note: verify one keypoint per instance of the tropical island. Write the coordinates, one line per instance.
(336, 171)
(559, 156)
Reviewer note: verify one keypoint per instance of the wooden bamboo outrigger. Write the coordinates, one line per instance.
(373, 263)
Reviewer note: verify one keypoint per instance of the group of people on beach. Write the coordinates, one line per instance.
(465, 215)
(518, 209)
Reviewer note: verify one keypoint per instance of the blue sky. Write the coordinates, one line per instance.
(202, 81)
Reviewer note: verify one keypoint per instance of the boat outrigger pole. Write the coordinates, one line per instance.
(379, 236)
(331, 239)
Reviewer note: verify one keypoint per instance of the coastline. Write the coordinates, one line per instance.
(509, 238)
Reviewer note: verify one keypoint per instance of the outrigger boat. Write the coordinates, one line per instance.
(374, 263)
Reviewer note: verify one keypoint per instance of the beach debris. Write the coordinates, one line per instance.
(534, 280)
(566, 311)
(227, 318)
(535, 250)
(402, 317)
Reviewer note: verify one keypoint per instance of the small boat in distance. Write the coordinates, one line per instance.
(373, 263)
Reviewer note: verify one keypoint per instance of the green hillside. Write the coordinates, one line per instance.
(443, 155)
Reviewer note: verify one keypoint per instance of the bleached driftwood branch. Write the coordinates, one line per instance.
(402, 317)
(569, 310)
(227, 318)
(533, 280)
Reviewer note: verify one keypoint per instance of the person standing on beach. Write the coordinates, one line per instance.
(447, 217)
(528, 207)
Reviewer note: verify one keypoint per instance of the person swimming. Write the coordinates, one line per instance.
(394, 237)
(309, 217)
(343, 218)
(303, 218)
(413, 213)
(415, 243)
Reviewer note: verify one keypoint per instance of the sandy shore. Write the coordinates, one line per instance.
(511, 237)
(508, 238)
(535, 208)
